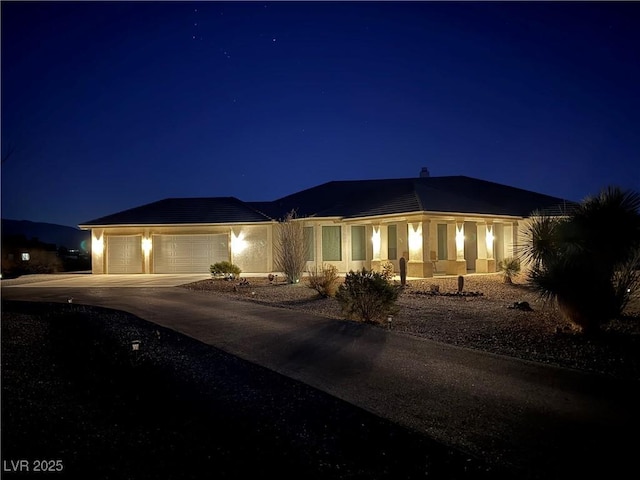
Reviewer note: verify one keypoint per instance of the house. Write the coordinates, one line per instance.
(452, 225)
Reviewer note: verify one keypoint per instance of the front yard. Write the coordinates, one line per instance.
(482, 322)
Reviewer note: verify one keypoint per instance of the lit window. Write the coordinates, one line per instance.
(26, 257)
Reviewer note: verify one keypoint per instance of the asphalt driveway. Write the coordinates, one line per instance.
(547, 422)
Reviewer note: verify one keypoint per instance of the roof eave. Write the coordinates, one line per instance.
(150, 225)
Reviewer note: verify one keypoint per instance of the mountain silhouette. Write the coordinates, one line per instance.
(60, 235)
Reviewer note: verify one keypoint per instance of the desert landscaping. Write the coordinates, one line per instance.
(482, 317)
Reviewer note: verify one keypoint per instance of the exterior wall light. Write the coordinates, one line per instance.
(238, 243)
(97, 244)
(490, 239)
(375, 241)
(146, 245)
(415, 239)
(460, 241)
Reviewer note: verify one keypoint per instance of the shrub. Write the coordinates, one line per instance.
(509, 267)
(577, 260)
(367, 296)
(225, 268)
(290, 248)
(387, 270)
(324, 282)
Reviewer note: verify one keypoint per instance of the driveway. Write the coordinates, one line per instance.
(86, 280)
(546, 422)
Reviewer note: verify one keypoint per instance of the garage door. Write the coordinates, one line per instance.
(124, 254)
(188, 253)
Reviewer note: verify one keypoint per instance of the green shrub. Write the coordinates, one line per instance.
(225, 268)
(325, 282)
(367, 296)
(510, 267)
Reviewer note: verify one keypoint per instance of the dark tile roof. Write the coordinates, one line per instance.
(350, 199)
(455, 194)
(184, 211)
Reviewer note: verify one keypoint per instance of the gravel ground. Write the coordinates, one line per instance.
(483, 322)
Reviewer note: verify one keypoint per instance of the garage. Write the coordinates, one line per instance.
(188, 253)
(124, 254)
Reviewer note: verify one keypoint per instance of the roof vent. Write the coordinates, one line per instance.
(424, 173)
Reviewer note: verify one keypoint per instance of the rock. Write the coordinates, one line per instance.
(524, 306)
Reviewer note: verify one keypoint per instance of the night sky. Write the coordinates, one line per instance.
(107, 106)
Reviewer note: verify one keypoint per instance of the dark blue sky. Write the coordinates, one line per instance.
(108, 106)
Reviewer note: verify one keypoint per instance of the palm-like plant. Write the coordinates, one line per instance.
(510, 267)
(587, 261)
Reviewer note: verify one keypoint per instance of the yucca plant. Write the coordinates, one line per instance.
(586, 261)
(509, 267)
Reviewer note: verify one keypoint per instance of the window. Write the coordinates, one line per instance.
(309, 244)
(442, 241)
(26, 257)
(358, 243)
(392, 242)
(331, 243)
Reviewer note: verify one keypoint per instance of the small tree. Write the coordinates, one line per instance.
(367, 296)
(290, 248)
(324, 282)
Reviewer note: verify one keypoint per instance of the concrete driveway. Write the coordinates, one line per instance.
(544, 421)
(86, 280)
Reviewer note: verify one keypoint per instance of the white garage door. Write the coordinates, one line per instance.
(124, 254)
(188, 253)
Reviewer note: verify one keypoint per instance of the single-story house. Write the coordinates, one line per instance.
(440, 225)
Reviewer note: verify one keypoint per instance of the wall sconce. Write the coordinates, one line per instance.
(490, 241)
(146, 245)
(375, 241)
(415, 238)
(97, 244)
(460, 242)
(238, 243)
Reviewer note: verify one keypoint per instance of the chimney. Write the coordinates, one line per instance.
(424, 173)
